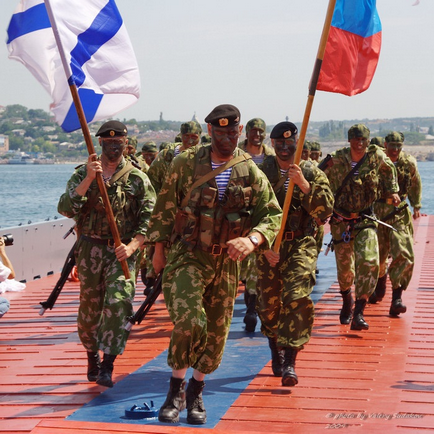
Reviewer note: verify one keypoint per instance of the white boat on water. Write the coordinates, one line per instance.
(21, 158)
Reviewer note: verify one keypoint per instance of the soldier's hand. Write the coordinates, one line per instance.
(297, 176)
(416, 213)
(93, 166)
(272, 257)
(239, 248)
(396, 200)
(159, 259)
(123, 252)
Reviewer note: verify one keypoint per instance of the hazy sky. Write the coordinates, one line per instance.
(257, 55)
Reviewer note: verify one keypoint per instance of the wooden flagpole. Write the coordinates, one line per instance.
(307, 112)
(86, 134)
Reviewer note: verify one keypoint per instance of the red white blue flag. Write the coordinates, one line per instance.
(98, 53)
(353, 48)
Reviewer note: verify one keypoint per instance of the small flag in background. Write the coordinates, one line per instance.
(353, 48)
(97, 48)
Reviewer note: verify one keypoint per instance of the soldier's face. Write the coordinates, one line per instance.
(189, 140)
(149, 157)
(359, 144)
(305, 154)
(224, 140)
(315, 155)
(393, 150)
(255, 137)
(285, 148)
(113, 147)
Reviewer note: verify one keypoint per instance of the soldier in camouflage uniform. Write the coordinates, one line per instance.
(315, 151)
(190, 136)
(398, 244)
(254, 145)
(315, 156)
(149, 152)
(105, 295)
(210, 225)
(379, 141)
(305, 154)
(354, 235)
(286, 279)
(130, 154)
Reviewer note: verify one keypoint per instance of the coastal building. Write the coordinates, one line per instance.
(4, 144)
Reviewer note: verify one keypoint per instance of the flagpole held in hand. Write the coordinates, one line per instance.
(86, 133)
(307, 112)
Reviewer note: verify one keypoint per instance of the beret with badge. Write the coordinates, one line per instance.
(224, 115)
(112, 129)
(283, 130)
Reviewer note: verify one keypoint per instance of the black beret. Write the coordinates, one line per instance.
(111, 129)
(283, 130)
(224, 115)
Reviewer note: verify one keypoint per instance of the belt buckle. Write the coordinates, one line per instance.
(216, 250)
(289, 236)
(354, 215)
(111, 243)
(389, 201)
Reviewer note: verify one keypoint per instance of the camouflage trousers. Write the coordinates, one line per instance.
(284, 304)
(199, 291)
(400, 247)
(357, 261)
(105, 298)
(249, 273)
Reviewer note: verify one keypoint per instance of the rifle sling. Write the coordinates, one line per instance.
(213, 174)
(350, 174)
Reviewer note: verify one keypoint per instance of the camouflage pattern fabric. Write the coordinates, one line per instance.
(158, 169)
(284, 304)
(358, 260)
(400, 244)
(199, 287)
(105, 298)
(319, 238)
(249, 273)
(105, 295)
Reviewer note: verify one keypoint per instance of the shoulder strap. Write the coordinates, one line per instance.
(350, 174)
(280, 183)
(127, 168)
(213, 174)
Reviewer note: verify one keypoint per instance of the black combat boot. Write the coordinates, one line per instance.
(106, 370)
(174, 403)
(93, 365)
(277, 357)
(289, 377)
(358, 322)
(251, 317)
(347, 307)
(196, 413)
(397, 306)
(380, 290)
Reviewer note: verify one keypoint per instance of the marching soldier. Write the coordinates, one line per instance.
(398, 244)
(215, 208)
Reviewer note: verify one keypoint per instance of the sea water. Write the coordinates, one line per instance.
(30, 192)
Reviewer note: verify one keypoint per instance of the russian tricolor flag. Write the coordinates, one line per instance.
(353, 48)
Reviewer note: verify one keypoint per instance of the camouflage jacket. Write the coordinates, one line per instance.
(158, 169)
(410, 185)
(261, 206)
(376, 176)
(266, 149)
(306, 210)
(132, 199)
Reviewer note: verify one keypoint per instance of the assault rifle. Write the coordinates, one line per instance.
(146, 305)
(66, 271)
